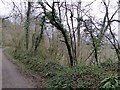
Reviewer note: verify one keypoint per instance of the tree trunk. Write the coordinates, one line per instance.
(78, 27)
(27, 25)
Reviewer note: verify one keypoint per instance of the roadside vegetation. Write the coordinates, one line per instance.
(59, 47)
(55, 75)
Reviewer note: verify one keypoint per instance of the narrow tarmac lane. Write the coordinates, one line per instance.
(0, 69)
(11, 77)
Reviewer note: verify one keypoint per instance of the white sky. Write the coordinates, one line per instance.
(6, 7)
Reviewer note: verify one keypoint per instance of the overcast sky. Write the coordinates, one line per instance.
(6, 7)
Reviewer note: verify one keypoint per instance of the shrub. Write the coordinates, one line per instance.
(107, 63)
(80, 76)
(111, 81)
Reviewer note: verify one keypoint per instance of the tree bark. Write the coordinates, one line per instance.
(27, 25)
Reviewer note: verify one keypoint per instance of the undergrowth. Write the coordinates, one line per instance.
(57, 76)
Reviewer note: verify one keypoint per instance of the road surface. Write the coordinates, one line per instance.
(11, 77)
(0, 69)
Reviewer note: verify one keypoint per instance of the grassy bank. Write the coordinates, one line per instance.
(49, 74)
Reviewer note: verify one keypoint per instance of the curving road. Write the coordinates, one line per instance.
(11, 77)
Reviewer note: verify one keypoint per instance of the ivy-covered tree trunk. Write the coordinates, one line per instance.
(78, 28)
(27, 25)
(55, 21)
(59, 27)
(39, 37)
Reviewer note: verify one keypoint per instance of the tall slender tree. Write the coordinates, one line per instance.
(27, 25)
